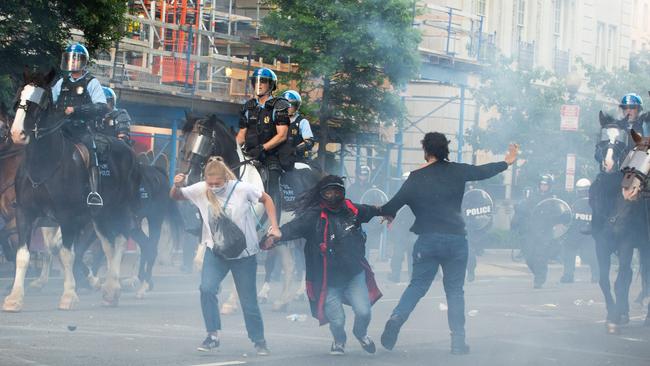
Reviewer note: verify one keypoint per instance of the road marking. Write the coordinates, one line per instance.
(227, 363)
(573, 350)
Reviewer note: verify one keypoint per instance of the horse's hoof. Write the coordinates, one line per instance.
(94, 282)
(612, 328)
(37, 284)
(227, 309)
(144, 288)
(280, 308)
(130, 284)
(13, 304)
(68, 301)
(111, 296)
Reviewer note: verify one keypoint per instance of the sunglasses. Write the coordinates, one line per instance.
(626, 107)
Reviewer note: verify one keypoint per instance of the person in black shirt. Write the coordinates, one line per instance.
(434, 193)
(337, 271)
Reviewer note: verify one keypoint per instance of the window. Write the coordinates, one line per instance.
(611, 47)
(479, 7)
(599, 49)
(521, 12)
(557, 17)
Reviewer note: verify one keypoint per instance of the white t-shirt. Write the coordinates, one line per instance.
(239, 210)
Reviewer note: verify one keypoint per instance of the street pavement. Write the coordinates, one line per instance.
(508, 323)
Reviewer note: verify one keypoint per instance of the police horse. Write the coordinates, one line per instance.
(53, 182)
(11, 155)
(209, 136)
(619, 224)
(636, 169)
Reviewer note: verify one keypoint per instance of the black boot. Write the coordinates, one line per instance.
(458, 345)
(94, 199)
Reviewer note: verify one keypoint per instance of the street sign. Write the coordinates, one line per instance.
(569, 116)
(570, 172)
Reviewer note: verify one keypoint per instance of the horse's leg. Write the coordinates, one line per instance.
(142, 240)
(14, 301)
(52, 240)
(286, 258)
(69, 236)
(111, 288)
(154, 222)
(84, 277)
(604, 256)
(623, 281)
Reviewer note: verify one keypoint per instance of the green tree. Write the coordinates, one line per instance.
(356, 53)
(528, 105)
(34, 32)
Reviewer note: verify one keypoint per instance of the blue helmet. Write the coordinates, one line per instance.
(74, 58)
(110, 95)
(293, 97)
(266, 75)
(631, 100)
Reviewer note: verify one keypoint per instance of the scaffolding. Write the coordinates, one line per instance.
(202, 48)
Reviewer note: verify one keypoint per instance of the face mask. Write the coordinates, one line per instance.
(333, 198)
(218, 190)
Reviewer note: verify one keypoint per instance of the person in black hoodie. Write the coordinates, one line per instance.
(435, 193)
(337, 271)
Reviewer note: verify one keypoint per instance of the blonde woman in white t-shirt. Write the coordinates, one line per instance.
(221, 185)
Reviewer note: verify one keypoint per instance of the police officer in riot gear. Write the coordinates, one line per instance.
(264, 127)
(117, 122)
(361, 184)
(80, 97)
(535, 250)
(578, 241)
(301, 138)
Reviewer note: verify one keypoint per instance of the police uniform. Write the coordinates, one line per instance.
(536, 250)
(86, 96)
(260, 123)
(300, 133)
(579, 242)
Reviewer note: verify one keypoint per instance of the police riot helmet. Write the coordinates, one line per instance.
(546, 179)
(263, 75)
(583, 183)
(631, 100)
(364, 170)
(74, 58)
(110, 95)
(293, 97)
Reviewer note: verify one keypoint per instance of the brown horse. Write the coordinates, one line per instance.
(10, 157)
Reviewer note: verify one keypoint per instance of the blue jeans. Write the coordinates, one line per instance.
(430, 251)
(356, 292)
(244, 273)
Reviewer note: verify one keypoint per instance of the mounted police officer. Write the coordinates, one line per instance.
(264, 127)
(578, 241)
(80, 97)
(631, 106)
(117, 122)
(301, 138)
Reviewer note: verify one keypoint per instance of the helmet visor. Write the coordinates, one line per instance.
(72, 61)
(261, 85)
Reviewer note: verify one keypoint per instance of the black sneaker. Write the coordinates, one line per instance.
(338, 349)
(367, 344)
(261, 348)
(391, 331)
(211, 342)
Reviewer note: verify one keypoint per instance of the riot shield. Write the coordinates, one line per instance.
(477, 210)
(550, 219)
